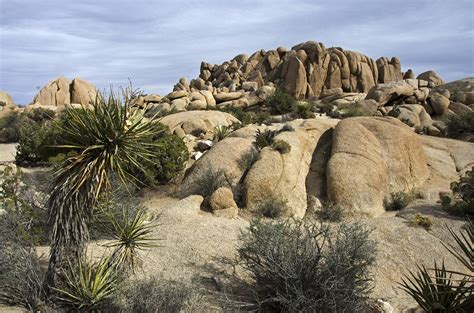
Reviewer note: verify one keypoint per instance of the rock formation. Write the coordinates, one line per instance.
(60, 92)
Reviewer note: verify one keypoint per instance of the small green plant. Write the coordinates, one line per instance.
(280, 102)
(131, 233)
(88, 285)
(443, 292)
(265, 138)
(398, 200)
(422, 221)
(437, 293)
(462, 200)
(281, 146)
(461, 126)
(332, 212)
(303, 110)
(287, 128)
(272, 207)
(299, 266)
(221, 131)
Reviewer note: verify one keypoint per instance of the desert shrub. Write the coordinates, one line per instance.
(171, 155)
(265, 138)
(303, 267)
(280, 102)
(461, 126)
(422, 221)
(331, 212)
(21, 276)
(462, 200)
(10, 126)
(303, 110)
(38, 142)
(24, 213)
(281, 146)
(287, 128)
(272, 207)
(246, 117)
(152, 295)
(221, 131)
(398, 200)
(41, 115)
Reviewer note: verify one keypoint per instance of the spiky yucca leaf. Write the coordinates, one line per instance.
(109, 137)
(439, 293)
(221, 132)
(88, 285)
(132, 233)
(465, 241)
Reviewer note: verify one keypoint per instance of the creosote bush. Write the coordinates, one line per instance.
(281, 102)
(155, 294)
(303, 267)
(272, 207)
(281, 146)
(461, 126)
(14, 123)
(422, 221)
(398, 200)
(462, 200)
(331, 212)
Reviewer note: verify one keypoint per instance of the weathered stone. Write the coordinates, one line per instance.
(152, 98)
(384, 93)
(222, 203)
(82, 92)
(227, 96)
(431, 76)
(461, 90)
(177, 94)
(438, 102)
(360, 174)
(282, 177)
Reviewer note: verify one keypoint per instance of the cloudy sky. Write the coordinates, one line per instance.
(155, 42)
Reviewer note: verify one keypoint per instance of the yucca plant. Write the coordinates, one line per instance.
(265, 138)
(221, 131)
(441, 293)
(132, 232)
(88, 285)
(109, 137)
(465, 242)
(444, 292)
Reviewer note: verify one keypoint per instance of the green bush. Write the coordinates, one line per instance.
(265, 138)
(10, 127)
(302, 267)
(281, 146)
(303, 110)
(332, 212)
(462, 201)
(280, 102)
(246, 117)
(25, 215)
(152, 295)
(461, 126)
(38, 142)
(422, 221)
(398, 200)
(272, 207)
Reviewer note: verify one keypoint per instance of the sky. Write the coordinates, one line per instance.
(154, 43)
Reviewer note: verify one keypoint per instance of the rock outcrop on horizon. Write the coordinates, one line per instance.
(61, 92)
(6, 103)
(305, 70)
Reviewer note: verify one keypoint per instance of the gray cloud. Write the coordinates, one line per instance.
(156, 42)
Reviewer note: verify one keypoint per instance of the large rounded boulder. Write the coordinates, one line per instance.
(371, 158)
